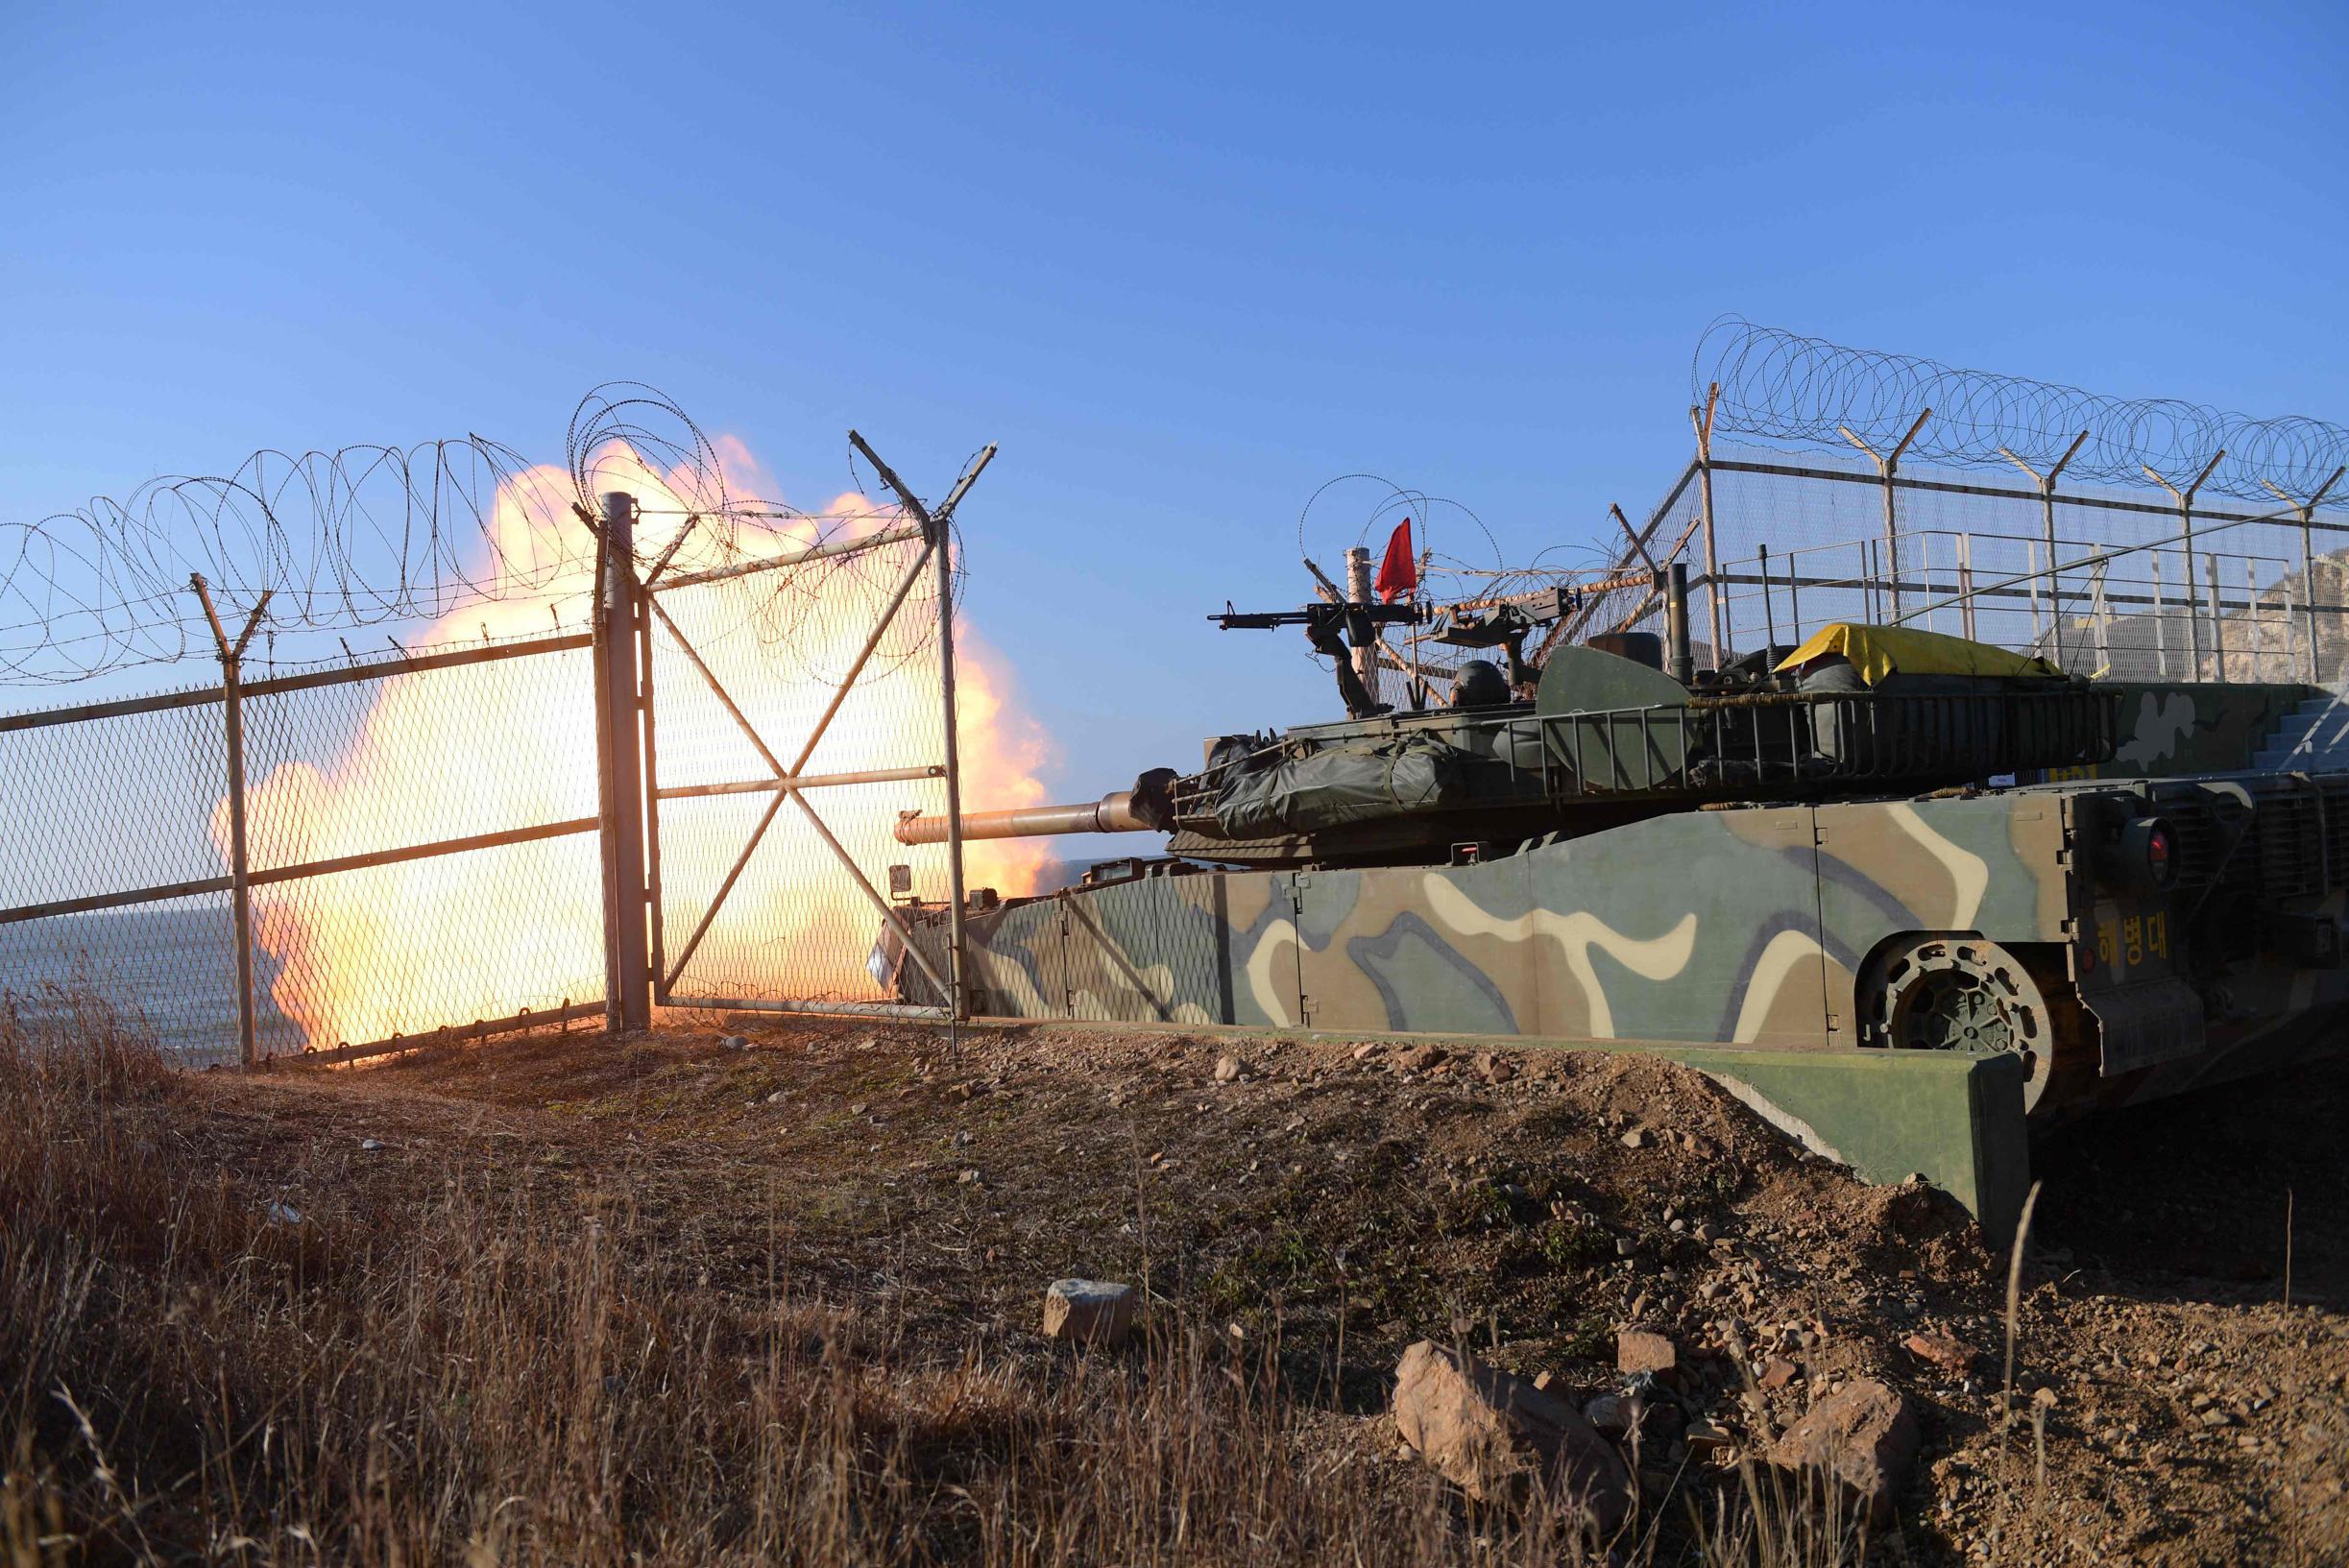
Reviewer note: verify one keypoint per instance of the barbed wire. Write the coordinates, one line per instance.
(373, 535)
(1782, 386)
(347, 538)
(628, 436)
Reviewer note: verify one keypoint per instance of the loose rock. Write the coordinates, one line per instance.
(1864, 1435)
(1637, 1350)
(1419, 1058)
(1494, 1068)
(1088, 1311)
(1613, 1414)
(1953, 1355)
(1226, 1068)
(1703, 1437)
(1490, 1433)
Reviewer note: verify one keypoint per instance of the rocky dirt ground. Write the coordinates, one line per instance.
(1333, 1202)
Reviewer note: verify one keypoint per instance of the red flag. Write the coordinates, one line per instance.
(1398, 574)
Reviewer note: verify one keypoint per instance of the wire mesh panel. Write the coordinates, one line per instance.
(423, 846)
(2104, 582)
(825, 673)
(2128, 537)
(107, 810)
(102, 801)
(421, 851)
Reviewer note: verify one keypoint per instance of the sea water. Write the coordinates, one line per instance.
(171, 972)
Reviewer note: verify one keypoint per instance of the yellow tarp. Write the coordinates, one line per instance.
(1878, 651)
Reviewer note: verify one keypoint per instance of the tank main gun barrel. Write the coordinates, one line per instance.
(1147, 807)
(1113, 813)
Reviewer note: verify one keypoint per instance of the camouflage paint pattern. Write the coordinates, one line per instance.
(1744, 927)
(1747, 926)
(2168, 727)
(1743, 941)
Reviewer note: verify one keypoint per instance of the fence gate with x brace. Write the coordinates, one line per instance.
(762, 724)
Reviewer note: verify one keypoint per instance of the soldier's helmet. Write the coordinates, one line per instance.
(1479, 684)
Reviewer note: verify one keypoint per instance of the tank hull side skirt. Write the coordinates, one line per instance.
(1765, 927)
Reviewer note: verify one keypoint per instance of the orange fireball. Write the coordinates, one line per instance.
(505, 744)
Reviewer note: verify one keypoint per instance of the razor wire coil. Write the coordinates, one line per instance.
(372, 536)
(1782, 386)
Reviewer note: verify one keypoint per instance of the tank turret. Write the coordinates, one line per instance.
(1605, 736)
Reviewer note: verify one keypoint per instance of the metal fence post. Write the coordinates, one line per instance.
(2186, 535)
(2161, 620)
(937, 527)
(2047, 518)
(2103, 612)
(1703, 420)
(2284, 663)
(1886, 466)
(1965, 584)
(627, 962)
(2307, 554)
(958, 1004)
(2218, 625)
(648, 707)
(2251, 615)
(240, 868)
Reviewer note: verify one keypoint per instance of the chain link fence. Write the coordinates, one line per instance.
(112, 881)
(776, 893)
(439, 867)
(686, 790)
(2102, 581)
(421, 853)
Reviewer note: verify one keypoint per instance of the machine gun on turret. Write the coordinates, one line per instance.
(1334, 629)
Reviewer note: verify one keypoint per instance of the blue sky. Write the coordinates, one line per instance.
(1183, 264)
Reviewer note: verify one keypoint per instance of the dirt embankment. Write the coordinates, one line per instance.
(1318, 1207)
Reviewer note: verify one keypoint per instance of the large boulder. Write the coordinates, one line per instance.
(1863, 1436)
(1492, 1434)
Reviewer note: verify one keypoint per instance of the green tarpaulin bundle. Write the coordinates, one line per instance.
(1350, 781)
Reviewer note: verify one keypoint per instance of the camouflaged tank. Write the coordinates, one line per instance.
(1825, 862)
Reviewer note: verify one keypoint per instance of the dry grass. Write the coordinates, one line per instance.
(189, 1371)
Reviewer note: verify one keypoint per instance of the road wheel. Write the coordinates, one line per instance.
(1966, 995)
